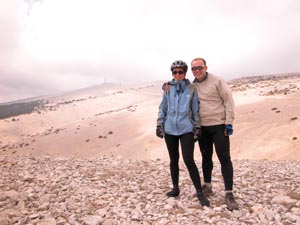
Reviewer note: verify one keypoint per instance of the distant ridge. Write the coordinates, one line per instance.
(28, 105)
(30, 99)
(258, 78)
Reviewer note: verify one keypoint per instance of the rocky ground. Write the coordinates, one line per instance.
(102, 190)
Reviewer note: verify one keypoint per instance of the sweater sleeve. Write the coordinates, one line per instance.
(226, 95)
(163, 108)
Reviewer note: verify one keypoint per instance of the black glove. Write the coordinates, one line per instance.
(197, 133)
(228, 130)
(160, 131)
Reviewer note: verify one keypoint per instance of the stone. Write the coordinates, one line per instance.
(110, 190)
(92, 220)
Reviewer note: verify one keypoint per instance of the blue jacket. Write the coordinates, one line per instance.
(179, 108)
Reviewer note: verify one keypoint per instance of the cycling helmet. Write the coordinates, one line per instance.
(179, 64)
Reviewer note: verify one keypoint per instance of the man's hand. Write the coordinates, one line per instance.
(197, 133)
(228, 130)
(166, 87)
(160, 131)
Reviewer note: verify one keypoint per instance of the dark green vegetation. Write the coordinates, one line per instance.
(16, 109)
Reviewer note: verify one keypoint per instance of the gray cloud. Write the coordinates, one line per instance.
(54, 46)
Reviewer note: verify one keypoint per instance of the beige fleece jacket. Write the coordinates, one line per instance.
(216, 102)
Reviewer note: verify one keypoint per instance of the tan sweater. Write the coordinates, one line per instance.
(216, 102)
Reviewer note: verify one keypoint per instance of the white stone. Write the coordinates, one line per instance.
(92, 220)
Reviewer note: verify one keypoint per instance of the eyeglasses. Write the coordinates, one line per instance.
(180, 72)
(197, 68)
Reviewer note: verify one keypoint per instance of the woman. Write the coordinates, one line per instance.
(178, 121)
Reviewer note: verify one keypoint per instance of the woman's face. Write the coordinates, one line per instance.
(178, 74)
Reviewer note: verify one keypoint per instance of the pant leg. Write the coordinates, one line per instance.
(206, 149)
(222, 146)
(172, 143)
(187, 148)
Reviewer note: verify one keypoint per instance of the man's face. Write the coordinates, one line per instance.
(199, 69)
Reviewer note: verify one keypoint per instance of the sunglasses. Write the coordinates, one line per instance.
(180, 72)
(197, 68)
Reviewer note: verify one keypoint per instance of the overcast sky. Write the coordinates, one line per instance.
(49, 46)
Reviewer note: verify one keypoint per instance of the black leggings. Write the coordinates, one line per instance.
(187, 148)
(214, 135)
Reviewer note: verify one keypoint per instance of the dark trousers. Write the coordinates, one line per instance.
(214, 135)
(187, 149)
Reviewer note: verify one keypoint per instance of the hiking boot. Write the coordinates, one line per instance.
(202, 199)
(230, 202)
(207, 191)
(174, 192)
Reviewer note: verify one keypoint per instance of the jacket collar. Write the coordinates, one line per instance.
(180, 85)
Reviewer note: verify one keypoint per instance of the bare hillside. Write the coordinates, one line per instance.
(120, 120)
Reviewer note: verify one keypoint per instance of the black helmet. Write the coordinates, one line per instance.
(179, 64)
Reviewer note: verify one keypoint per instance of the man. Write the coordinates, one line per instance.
(216, 118)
